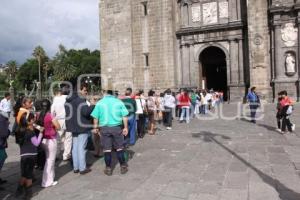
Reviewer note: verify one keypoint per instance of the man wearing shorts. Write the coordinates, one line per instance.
(110, 114)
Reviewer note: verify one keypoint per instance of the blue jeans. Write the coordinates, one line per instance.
(3, 157)
(131, 127)
(79, 151)
(185, 114)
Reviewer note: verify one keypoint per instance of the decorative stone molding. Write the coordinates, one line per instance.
(210, 13)
(258, 39)
(223, 9)
(196, 13)
(289, 34)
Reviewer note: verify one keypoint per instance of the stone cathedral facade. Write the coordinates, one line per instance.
(227, 45)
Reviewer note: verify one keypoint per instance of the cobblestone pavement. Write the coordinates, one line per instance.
(204, 160)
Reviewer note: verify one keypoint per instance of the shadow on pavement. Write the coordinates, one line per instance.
(284, 192)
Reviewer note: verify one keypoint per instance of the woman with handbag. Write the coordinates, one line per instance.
(152, 108)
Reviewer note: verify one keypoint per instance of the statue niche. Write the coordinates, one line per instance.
(290, 64)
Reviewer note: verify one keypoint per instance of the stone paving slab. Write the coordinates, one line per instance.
(204, 160)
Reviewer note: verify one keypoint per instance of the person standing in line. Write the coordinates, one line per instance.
(4, 134)
(5, 104)
(152, 107)
(254, 103)
(59, 113)
(169, 104)
(286, 111)
(160, 108)
(110, 120)
(185, 103)
(49, 142)
(28, 142)
(130, 104)
(178, 107)
(141, 113)
(78, 122)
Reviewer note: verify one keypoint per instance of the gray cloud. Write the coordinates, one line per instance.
(28, 23)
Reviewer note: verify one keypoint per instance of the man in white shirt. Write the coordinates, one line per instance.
(5, 104)
(58, 112)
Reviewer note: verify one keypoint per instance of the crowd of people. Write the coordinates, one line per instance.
(62, 129)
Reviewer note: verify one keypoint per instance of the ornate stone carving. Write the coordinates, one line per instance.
(290, 64)
(289, 34)
(258, 39)
(210, 14)
(196, 13)
(223, 9)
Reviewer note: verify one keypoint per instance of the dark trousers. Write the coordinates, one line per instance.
(141, 125)
(178, 111)
(168, 116)
(253, 108)
(286, 123)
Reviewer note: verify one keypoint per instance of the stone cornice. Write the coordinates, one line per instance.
(228, 26)
(279, 8)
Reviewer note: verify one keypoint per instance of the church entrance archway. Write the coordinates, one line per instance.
(214, 70)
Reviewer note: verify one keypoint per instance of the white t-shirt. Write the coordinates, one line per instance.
(5, 105)
(140, 105)
(58, 107)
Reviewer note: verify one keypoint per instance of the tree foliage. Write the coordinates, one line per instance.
(66, 65)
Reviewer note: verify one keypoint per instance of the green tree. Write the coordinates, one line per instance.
(63, 70)
(41, 57)
(11, 69)
(27, 74)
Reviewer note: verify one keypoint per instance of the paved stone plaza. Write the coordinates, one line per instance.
(204, 160)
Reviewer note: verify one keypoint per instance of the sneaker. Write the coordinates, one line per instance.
(53, 184)
(108, 171)
(278, 129)
(293, 127)
(124, 169)
(85, 171)
(76, 171)
(169, 128)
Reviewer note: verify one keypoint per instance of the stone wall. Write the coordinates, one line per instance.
(153, 35)
(116, 43)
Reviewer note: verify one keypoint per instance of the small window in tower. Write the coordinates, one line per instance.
(146, 56)
(145, 6)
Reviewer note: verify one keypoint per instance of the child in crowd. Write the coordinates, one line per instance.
(28, 142)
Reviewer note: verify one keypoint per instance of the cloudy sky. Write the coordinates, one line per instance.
(24, 24)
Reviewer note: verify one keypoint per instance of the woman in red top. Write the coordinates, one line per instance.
(49, 142)
(184, 103)
(285, 105)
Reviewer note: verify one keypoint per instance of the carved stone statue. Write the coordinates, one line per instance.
(289, 34)
(290, 64)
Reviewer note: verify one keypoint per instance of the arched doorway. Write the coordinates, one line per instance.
(214, 69)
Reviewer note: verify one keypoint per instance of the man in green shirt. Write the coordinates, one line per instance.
(110, 120)
(130, 104)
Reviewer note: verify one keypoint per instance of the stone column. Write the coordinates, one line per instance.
(192, 67)
(185, 65)
(279, 68)
(241, 63)
(234, 68)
